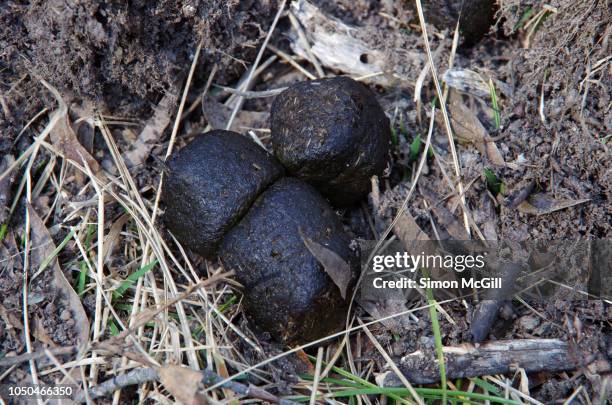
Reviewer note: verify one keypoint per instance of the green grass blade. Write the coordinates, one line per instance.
(434, 393)
(132, 278)
(55, 252)
(114, 330)
(4, 230)
(415, 148)
(435, 325)
(83, 266)
(526, 15)
(495, 105)
(493, 183)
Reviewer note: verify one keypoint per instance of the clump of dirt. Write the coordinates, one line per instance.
(128, 54)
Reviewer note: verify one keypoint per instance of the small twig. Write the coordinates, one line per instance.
(134, 377)
(60, 351)
(210, 378)
(499, 357)
(142, 375)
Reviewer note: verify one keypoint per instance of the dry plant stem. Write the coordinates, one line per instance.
(238, 106)
(183, 99)
(26, 269)
(317, 376)
(211, 379)
(93, 372)
(292, 62)
(449, 131)
(200, 99)
(133, 377)
(253, 94)
(60, 351)
(302, 36)
(142, 375)
(242, 84)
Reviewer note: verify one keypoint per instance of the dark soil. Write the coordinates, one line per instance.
(121, 57)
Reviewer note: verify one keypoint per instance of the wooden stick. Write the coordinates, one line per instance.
(501, 357)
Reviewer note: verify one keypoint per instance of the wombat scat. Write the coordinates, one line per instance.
(475, 16)
(288, 293)
(222, 188)
(211, 183)
(333, 134)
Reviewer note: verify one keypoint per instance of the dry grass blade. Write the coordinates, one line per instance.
(238, 106)
(391, 364)
(447, 125)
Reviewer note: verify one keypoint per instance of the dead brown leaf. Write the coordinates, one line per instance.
(42, 248)
(217, 114)
(11, 321)
(407, 230)
(113, 235)
(446, 218)
(183, 383)
(468, 127)
(335, 266)
(542, 204)
(152, 131)
(63, 136)
(305, 360)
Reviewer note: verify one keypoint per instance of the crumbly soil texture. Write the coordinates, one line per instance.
(541, 171)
